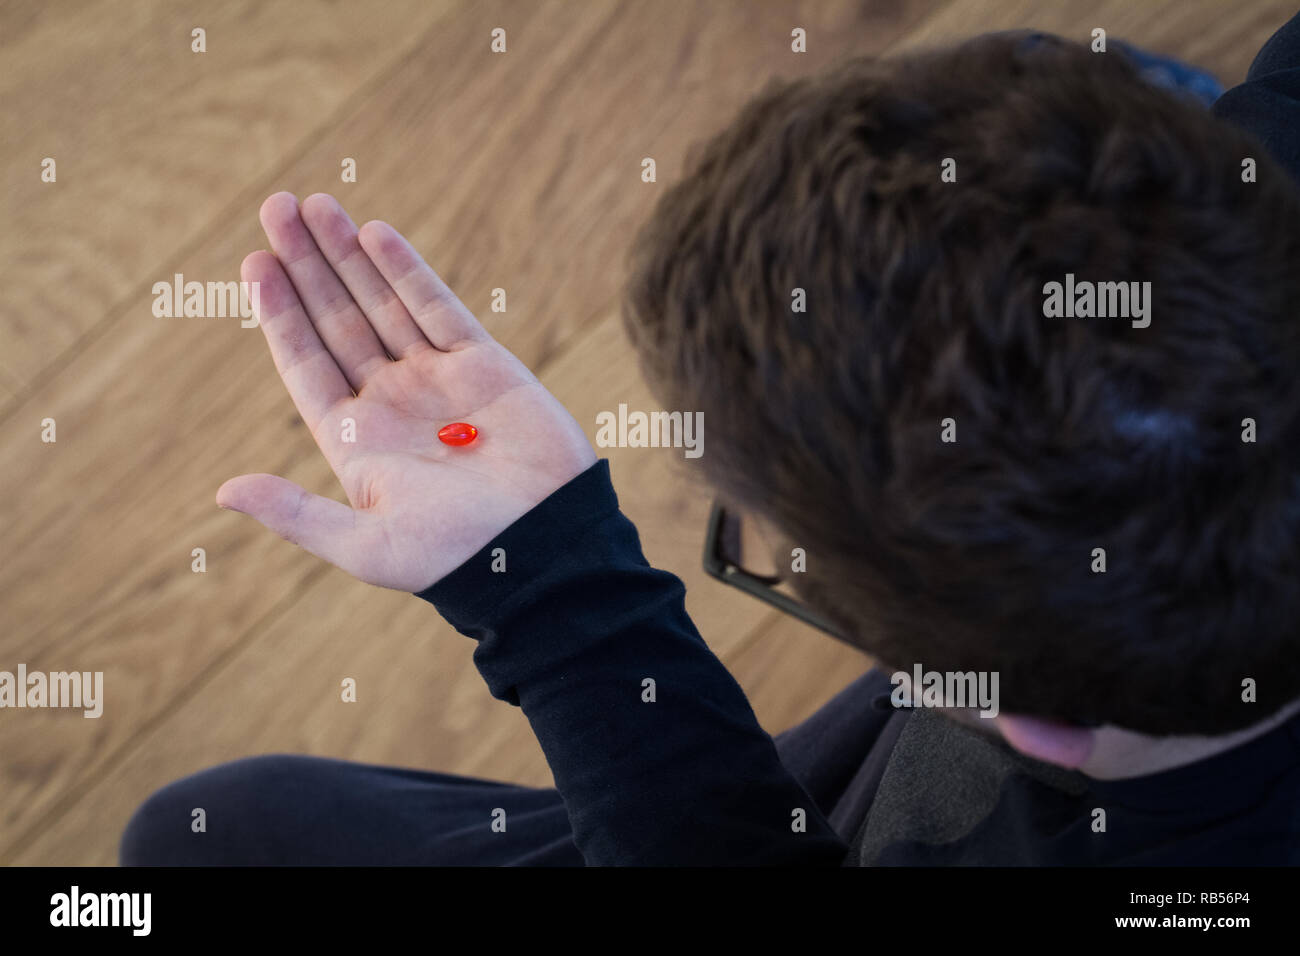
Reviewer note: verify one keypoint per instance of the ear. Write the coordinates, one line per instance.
(1065, 745)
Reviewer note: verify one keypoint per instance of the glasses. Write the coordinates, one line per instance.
(731, 546)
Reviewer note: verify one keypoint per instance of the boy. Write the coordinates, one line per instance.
(1102, 510)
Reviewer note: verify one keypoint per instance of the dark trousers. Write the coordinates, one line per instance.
(310, 811)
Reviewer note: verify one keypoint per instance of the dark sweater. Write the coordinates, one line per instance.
(577, 623)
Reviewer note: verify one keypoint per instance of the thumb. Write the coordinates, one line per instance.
(326, 528)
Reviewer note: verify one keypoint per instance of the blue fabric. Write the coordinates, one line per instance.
(1173, 75)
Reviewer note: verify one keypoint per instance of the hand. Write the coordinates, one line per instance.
(360, 327)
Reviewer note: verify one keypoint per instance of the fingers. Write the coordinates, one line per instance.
(443, 318)
(326, 528)
(341, 326)
(314, 381)
(336, 237)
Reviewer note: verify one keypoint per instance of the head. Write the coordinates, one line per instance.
(837, 309)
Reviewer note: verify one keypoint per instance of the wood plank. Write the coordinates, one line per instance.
(152, 141)
(151, 421)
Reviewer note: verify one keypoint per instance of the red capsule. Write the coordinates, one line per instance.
(457, 433)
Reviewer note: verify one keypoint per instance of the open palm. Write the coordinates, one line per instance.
(378, 355)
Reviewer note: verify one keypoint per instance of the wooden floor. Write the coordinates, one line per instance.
(519, 170)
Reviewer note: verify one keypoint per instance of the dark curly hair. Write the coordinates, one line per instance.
(924, 301)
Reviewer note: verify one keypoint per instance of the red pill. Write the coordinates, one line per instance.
(457, 433)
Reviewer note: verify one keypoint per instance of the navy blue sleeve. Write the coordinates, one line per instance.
(1267, 104)
(571, 631)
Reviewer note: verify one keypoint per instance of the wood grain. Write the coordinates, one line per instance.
(153, 142)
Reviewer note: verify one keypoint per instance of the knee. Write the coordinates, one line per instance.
(171, 827)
